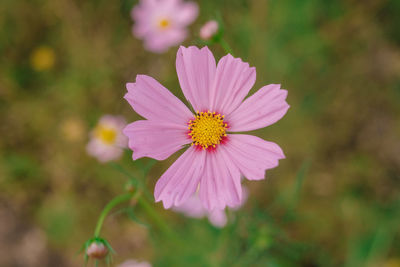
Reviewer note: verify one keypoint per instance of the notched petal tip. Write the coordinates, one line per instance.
(182, 49)
(130, 86)
(279, 151)
(141, 77)
(239, 60)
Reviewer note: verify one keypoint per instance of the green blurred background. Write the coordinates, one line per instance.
(334, 201)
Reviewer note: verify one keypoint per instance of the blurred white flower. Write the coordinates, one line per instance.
(106, 140)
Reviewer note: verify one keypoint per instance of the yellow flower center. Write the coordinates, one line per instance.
(207, 129)
(164, 24)
(43, 58)
(106, 135)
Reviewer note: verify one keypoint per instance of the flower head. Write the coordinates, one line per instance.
(208, 30)
(217, 157)
(107, 141)
(162, 23)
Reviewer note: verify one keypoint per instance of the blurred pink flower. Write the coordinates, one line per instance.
(215, 160)
(162, 23)
(208, 30)
(217, 217)
(134, 263)
(106, 140)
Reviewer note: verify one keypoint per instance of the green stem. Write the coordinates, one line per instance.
(143, 201)
(155, 217)
(114, 202)
(225, 46)
(141, 183)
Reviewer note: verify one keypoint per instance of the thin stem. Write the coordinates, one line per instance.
(143, 199)
(123, 171)
(114, 202)
(225, 46)
(155, 217)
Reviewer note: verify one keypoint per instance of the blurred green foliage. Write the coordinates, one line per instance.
(334, 200)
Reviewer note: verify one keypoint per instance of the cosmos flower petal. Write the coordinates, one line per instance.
(233, 81)
(187, 14)
(159, 43)
(141, 30)
(196, 70)
(102, 152)
(220, 183)
(181, 179)
(218, 218)
(192, 207)
(134, 263)
(253, 155)
(156, 140)
(153, 101)
(265, 107)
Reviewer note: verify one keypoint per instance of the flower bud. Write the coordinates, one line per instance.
(97, 250)
(208, 30)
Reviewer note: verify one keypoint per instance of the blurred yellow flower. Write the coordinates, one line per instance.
(394, 262)
(73, 130)
(43, 58)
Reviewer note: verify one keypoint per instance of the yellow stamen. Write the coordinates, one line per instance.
(164, 24)
(105, 134)
(207, 129)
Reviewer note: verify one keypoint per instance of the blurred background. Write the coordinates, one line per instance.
(334, 200)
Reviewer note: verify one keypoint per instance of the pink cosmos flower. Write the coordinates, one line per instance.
(134, 263)
(208, 30)
(194, 208)
(216, 158)
(162, 23)
(106, 140)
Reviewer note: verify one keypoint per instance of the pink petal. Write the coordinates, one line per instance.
(220, 183)
(154, 102)
(252, 155)
(181, 179)
(160, 42)
(140, 30)
(218, 218)
(103, 152)
(141, 10)
(192, 207)
(245, 196)
(233, 81)
(134, 263)
(157, 140)
(264, 108)
(187, 13)
(196, 70)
